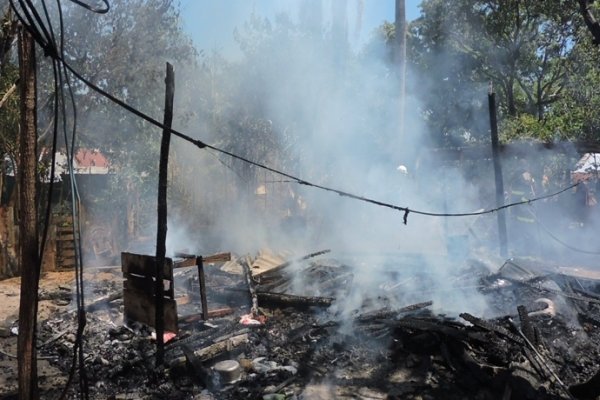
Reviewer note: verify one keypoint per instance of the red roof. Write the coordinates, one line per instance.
(85, 158)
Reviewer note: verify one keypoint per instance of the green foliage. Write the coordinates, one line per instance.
(525, 48)
(9, 113)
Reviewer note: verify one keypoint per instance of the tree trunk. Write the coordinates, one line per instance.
(590, 20)
(510, 97)
(29, 256)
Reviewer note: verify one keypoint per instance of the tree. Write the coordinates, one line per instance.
(123, 52)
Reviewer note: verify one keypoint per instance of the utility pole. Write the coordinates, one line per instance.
(161, 234)
(400, 61)
(28, 228)
(497, 173)
(339, 33)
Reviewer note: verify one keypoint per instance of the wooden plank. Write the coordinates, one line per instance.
(145, 265)
(144, 285)
(66, 237)
(192, 260)
(67, 253)
(220, 257)
(188, 262)
(141, 308)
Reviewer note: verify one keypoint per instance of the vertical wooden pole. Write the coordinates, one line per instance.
(202, 285)
(28, 234)
(161, 234)
(497, 173)
(400, 59)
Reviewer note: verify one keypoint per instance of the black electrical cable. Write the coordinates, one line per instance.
(54, 144)
(75, 210)
(93, 9)
(51, 48)
(200, 144)
(561, 242)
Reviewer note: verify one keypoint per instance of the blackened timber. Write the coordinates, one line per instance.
(526, 323)
(191, 260)
(389, 313)
(202, 285)
(281, 299)
(161, 234)
(251, 288)
(497, 173)
(491, 327)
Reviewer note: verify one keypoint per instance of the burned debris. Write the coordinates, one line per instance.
(538, 338)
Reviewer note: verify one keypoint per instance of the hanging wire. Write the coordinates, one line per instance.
(93, 9)
(46, 38)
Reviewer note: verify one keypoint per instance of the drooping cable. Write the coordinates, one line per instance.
(202, 145)
(48, 36)
(93, 9)
(576, 249)
(75, 215)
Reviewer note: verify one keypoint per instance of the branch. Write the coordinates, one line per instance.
(590, 20)
(10, 91)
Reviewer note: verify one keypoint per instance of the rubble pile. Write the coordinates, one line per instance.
(324, 337)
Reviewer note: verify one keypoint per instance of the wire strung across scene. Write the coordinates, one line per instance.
(202, 145)
(44, 36)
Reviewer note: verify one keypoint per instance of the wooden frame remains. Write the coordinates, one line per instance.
(139, 300)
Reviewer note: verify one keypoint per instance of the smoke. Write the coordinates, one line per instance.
(302, 99)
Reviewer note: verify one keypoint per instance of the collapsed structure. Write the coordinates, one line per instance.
(282, 326)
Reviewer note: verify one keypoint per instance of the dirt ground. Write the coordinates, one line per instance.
(50, 283)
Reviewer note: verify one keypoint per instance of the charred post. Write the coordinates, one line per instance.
(161, 234)
(497, 172)
(400, 58)
(202, 285)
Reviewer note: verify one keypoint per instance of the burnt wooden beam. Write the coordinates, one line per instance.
(251, 288)
(290, 300)
(191, 260)
(202, 286)
(161, 234)
(213, 350)
(501, 215)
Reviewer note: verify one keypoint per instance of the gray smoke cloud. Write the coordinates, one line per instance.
(327, 112)
(301, 98)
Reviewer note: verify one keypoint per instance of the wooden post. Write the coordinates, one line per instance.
(497, 173)
(202, 285)
(400, 59)
(161, 234)
(28, 234)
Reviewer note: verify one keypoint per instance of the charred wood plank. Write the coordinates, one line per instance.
(191, 260)
(198, 371)
(387, 313)
(281, 299)
(489, 326)
(251, 288)
(544, 362)
(526, 326)
(214, 350)
(428, 326)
